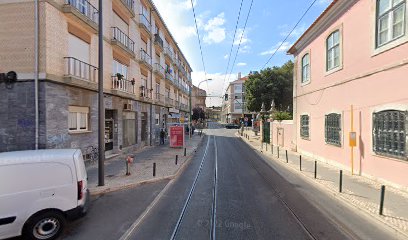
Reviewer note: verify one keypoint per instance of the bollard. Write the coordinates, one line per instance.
(341, 181)
(176, 159)
(185, 152)
(315, 170)
(300, 162)
(286, 152)
(272, 149)
(382, 199)
(154, 169)
(278, 151)
(266, 149)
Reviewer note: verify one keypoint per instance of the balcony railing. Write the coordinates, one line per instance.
(168, 52)
(129, 4)
(145, 22)
(170, 77)
(86, 8)
(177, 104)
(123, 85)
(80, 69)
(158, 68)
(159, 97)
(158, 40)
(124, 39)
(145, 57)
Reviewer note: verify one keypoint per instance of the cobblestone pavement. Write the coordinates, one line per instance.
(142, 167)
(358, 191)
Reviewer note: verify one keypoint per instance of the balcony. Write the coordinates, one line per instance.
(123, 42)
(159, 70)
(125, 6)
(169, 102)
(145, 93)
(82, 11)
(159, 98)
(145, 59)
(145, 24)
(80, 73)
(170, 77)
(123, 85)
(158, 41)
(168, 53)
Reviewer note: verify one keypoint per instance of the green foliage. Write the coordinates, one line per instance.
(279, 116)
(271, 83)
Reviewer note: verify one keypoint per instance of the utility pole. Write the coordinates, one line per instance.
(101, 107)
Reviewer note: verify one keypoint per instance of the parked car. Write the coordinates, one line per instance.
(40, 190)
(232, 126)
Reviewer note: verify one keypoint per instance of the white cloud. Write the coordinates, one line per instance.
(240, 33)
(241, 64)
(214, 30)
(325, 2)
(187, 4)
(285, 46)
(226, 56)
(285, 30)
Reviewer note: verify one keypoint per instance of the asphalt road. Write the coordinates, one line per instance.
(252, 200)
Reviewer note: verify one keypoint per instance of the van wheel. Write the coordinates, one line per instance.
(44, 226)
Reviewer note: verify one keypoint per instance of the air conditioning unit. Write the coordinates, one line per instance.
(127, 107)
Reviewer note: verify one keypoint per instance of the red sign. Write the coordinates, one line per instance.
(176, 136)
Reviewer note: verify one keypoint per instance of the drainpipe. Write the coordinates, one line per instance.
(151, 81)
(36, 70)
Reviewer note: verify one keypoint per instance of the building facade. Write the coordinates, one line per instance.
(350, 79)
(198, 97)
(233, 106)
(146, 76)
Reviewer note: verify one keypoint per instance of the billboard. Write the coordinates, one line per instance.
(176, 136)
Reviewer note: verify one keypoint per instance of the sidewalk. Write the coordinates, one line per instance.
(360, 192)
(142, 167)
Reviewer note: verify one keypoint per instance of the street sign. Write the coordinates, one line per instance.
(181, 119)
(176, 136)
(353, 139)
(246, 119)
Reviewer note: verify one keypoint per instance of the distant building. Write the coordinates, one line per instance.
(355, 54)
(233, 106)
(198, 97)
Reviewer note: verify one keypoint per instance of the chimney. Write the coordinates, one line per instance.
(239, 76)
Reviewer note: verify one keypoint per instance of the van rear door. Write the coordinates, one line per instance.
(82, 178)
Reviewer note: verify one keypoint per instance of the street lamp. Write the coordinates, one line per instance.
(190, 114)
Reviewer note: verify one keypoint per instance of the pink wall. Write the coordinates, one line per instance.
(365, 81)
(286, 140)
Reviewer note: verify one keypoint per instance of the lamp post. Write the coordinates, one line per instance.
(190, 114)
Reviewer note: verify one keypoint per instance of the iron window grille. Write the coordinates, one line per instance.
(304, 126)
(332, 132)
(390, 20)
(390, 133)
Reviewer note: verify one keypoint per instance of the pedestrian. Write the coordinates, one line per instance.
(162, 135)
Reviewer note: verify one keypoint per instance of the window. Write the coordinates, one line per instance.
(78, 118)
(119, 68)
(304, 126)
(390, 20)
(129, 129)
(333, 51)
(306, 68)
(390, 133)
(238, 88)
(332, 132)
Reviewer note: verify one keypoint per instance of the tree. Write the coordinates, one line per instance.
(198, 113)
(270, 84)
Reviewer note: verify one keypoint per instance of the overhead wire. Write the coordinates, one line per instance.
(290, 33)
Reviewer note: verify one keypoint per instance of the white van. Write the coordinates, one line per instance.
(40, 190)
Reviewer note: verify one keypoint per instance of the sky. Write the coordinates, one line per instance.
(269, 22)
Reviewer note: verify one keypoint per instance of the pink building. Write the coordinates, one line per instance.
(355, 55)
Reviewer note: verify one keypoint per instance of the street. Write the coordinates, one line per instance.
(250, 200)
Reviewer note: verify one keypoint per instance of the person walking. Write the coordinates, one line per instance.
(162, 135)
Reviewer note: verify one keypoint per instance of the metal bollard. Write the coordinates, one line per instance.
(286, 152)
(382, 199)
(278, 151)
(129, 160)
(266, 145)
(176, 159)
(341, 181)
(315, 170)
(154, 169)
(185, 152)
(300, 162)
(272, 149)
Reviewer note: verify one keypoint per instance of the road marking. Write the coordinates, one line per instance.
(176, 228)
(214, 205)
